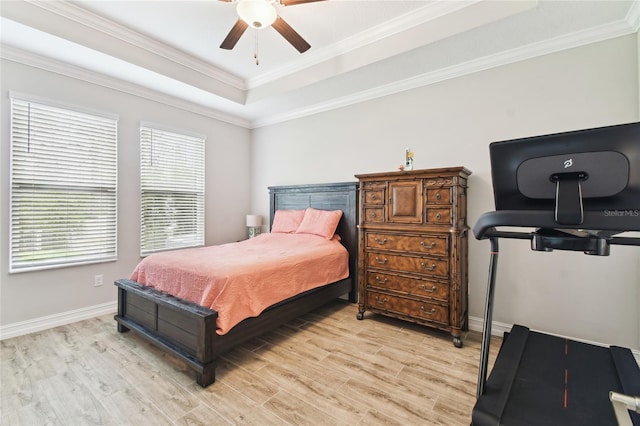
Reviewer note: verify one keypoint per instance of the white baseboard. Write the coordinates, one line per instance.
(50, 321)
(498, 329)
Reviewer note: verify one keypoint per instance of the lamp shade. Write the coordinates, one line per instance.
(257, 13)
(254, 220)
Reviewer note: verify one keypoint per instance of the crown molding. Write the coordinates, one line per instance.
(557, 44)
(633, 17)
(104, 25)
(48, 64)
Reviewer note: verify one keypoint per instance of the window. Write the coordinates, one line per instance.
(172, 190)
(63, 187)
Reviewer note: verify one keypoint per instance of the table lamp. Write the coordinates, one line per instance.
(254, 223)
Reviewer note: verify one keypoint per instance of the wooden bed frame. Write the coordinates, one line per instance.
(188, 331)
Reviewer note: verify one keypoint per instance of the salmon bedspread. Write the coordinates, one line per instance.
(240, 280)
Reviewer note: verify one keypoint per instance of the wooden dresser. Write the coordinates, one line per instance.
(412, 247)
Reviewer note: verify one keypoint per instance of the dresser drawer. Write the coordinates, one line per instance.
(373, 214)
(404, 306)
(374, 196)
(439, 196)
(427, 244)
(425, 288)
(414, 264)
(438, 216)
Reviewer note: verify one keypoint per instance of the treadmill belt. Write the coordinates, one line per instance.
(539, 379)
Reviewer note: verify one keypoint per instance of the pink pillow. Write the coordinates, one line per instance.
(320, 222)
(287, 221)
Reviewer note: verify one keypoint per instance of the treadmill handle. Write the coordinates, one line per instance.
(622, 403)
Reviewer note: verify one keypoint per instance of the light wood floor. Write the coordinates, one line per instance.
(326, 368)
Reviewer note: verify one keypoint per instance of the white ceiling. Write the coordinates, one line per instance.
(360, 49)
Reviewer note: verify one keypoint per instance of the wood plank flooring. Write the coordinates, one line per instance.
(325, 368)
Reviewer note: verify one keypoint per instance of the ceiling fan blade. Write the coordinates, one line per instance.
(234, 35)
(290, 35)
(294, 2)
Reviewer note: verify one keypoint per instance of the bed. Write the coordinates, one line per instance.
(188, 330)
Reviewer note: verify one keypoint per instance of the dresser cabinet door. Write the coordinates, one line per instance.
(405, 202)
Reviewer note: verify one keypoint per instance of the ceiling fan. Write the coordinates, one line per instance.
(262, 14)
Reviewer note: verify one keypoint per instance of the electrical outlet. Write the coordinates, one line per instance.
(97, 280)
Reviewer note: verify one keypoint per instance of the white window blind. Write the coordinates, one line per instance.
(172, 190)
(63, 187)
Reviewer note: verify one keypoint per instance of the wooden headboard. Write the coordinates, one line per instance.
(329, 196)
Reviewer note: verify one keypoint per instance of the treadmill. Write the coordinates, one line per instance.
(579, 191)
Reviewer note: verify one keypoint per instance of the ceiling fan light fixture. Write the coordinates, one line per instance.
(257, 13)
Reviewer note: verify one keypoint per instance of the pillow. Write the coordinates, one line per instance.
(320, 222)
(286, 221)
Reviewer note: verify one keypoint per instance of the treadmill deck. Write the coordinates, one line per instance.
(539, 379)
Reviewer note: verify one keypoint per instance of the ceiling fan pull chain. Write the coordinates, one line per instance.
(255, 54)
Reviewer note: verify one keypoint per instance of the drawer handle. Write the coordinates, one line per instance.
(382, 261)
(438, 216)
(381, 301)
(373, 196)
(428, 268)
(428, 290)
(373, 215)
(438, 196)
(381, 242)
(381, 281)
(431, 312)
(432, 245)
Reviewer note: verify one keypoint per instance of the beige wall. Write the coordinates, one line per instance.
(32, 295)
(451, 123)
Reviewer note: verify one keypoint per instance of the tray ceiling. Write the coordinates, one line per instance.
(360, 49)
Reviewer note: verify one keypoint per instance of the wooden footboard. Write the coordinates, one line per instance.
(183, 328)
(188, 331)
